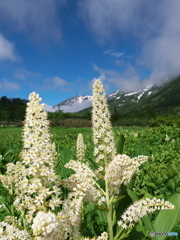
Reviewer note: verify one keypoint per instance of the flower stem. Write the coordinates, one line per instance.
(109, 214)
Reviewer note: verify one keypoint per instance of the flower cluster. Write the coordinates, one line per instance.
(48, 226)
(33, 180)
(121, 169)
(139, 209)
(81, 147)
(8, 231)
(14, 174)
(103, 136)
(38, 157)
(45, 225)
(83, 182)
(70, 216)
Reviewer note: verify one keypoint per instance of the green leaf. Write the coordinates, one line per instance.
(5, 204)
(118, 198)
(122, 234)
(114, 219)
(102, 208)
(148, 224)
(132, 195)
(172, 173)
(120, 144)
(171, 185)
(160, 181)
(88, 209)
(150, 184)
(102, 216)
(167, 220)
(7, 153)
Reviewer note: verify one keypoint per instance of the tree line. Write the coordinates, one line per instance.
(12, 109)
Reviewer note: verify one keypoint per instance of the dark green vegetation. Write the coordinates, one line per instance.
(159, 177)
(12, 110)
(162, 106)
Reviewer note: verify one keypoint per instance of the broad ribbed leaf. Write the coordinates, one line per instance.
(167, 220)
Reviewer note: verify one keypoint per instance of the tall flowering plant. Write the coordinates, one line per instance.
(114, 169)
(36, 187)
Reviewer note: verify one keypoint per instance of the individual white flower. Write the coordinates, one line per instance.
(167, 138)
(135, 135)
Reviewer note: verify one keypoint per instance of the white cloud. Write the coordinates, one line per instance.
(102, 76)
(128, 80)
(55, 83)
(153, 25)
(5, 84)
(39, 19)
(7, 49)
(114, 53)
(23, 74)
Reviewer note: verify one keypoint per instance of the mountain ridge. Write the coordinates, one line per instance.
(148, 99)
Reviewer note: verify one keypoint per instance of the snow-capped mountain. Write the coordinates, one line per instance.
(124, 98)
(80, 102)
(74, 104)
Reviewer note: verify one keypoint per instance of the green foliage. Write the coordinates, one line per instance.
(71, 123)
(158, 177)
(115, 115)
(169, 120)
(12, 109)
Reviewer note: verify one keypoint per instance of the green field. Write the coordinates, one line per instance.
(163, 153)
(159, 177)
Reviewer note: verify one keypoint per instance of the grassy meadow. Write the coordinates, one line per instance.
(160, 176)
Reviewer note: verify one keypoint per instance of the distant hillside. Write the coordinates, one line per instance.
(133, 108)
(150, 101)
(168, 96)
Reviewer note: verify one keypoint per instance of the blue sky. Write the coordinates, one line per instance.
(58, 47)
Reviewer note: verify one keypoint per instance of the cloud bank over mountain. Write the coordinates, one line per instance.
(154, 24)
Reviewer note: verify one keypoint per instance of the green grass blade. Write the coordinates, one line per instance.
(5, 204)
